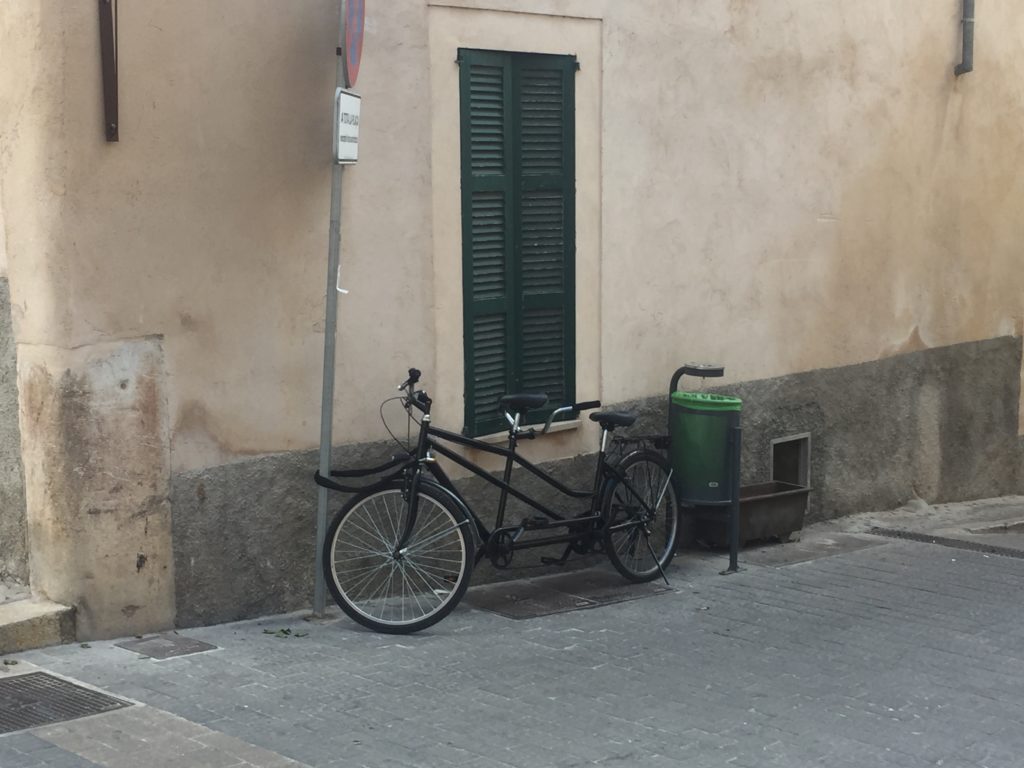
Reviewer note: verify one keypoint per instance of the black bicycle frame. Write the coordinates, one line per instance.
(428, 444)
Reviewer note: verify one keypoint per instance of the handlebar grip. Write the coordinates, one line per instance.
(587, 406)
(414, 376)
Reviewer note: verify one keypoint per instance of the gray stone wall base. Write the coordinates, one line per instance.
(940, 424)
(243, 539)
(244, 534)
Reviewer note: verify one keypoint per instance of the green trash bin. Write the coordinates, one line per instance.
(700, 424)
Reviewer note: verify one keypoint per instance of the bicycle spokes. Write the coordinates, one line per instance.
(641, 517)
(393, 585)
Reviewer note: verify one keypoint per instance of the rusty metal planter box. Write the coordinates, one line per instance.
(773, 510)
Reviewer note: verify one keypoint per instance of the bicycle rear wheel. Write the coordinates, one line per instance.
(641, 517)
(406, 591)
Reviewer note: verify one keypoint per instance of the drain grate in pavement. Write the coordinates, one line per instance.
(942, 541)
(530, 598)
(165, 646)
(37, 698)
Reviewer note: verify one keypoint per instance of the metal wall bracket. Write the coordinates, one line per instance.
(967, 57)
(108, 60)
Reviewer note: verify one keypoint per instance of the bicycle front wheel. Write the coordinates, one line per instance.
(398, 591)
(641, 517)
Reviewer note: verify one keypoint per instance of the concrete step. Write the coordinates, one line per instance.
(26, 624)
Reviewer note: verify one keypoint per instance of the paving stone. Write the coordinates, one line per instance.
(144, 735)
(892, 655)
(25, 750)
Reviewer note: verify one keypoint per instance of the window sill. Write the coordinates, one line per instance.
(558, 426)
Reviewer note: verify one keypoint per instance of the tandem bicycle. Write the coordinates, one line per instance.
(399, 555)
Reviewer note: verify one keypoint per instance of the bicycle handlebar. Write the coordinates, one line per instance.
(422, 402)
(573, 409)
(416, 398)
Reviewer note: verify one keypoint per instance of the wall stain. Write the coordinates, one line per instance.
(188, 322)
(61, 408)
(913, 343)
(196, 426)
(151, 505)
(147, 401)
(99, 453)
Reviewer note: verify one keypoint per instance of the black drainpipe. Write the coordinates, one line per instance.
(967, 65)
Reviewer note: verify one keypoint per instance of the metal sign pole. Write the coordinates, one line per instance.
(327, 400)
(330, 343)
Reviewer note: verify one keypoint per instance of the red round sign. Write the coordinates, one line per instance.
(352, 44)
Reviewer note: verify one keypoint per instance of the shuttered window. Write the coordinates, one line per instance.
(518, 230)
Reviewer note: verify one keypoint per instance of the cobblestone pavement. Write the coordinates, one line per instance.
(902, 654)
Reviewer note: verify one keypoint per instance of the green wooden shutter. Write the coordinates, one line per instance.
(518, 230)
(487, 224)
(545, 225)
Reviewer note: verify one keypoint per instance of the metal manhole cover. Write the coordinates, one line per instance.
(165, 646)
(532, 598)
(523, 600)
(38, 698)
(942, 541)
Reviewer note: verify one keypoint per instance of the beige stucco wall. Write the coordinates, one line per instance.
(774, 186)
(207, 223)
(3, 242)
(816, 187)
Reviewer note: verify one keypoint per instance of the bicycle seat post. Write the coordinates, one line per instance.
(513, 432)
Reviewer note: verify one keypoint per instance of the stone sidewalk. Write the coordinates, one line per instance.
(882, 653)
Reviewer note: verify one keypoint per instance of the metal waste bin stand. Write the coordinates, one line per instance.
(705, 437)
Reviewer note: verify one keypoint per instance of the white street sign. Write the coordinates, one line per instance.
(346, 127)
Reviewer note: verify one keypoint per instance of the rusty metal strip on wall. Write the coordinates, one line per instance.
(108, 58)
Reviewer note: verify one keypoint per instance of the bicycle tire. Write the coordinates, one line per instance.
(398, 595)
(630, 534)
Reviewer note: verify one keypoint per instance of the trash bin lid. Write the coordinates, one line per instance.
(705, 401)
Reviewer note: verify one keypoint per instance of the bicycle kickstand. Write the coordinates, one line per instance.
(657, 562)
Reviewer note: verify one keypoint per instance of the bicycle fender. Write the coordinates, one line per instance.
(430, 482)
